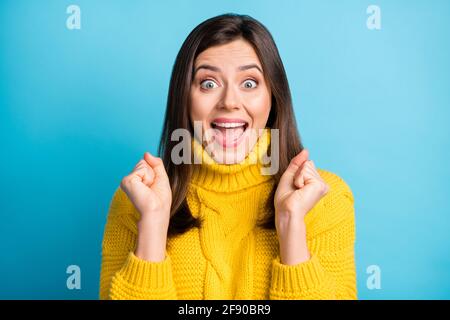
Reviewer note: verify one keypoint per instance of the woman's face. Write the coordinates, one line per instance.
(230, 100)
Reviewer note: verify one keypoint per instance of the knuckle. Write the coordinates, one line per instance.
(139, 170)
(141, 163)
(124, 182)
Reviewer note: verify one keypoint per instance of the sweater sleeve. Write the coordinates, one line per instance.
(330, 273)
(123, 275)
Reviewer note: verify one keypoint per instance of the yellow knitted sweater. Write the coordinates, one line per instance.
(229, 256)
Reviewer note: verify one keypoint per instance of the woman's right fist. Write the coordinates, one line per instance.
(148, 188)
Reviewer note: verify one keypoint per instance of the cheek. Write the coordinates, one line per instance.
(258, 106)
(201, 106)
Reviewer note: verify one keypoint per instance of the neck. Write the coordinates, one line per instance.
(218, 177)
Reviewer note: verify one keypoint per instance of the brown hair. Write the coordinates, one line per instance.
(216, 31)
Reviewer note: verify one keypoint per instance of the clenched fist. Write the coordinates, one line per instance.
(148, 188)
(298, 191)
(300, 188)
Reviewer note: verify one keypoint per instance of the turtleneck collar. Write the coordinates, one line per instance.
(218, 177)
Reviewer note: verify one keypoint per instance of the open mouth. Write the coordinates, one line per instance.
(229, 132)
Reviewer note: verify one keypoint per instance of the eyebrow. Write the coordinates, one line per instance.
(215, 69)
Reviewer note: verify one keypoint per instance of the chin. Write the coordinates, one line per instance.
(232, 155)
(228, 157)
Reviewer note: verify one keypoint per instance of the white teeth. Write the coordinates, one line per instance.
(229, 124)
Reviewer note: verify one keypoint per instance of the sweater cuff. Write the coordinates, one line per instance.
(146, 274)
(302, 277)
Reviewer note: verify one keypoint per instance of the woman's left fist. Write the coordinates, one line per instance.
(298, 191)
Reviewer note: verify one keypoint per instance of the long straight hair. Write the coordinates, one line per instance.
(212, 32)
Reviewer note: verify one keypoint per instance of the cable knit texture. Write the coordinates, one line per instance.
(230, 256)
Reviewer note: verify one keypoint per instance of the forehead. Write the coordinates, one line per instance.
(235, 52)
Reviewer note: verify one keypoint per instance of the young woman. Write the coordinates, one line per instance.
(221, 227)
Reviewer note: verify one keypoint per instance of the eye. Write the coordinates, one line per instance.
(208, 84)
(250, 84)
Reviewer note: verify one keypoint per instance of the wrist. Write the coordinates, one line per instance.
(291, 232)
(286, 221)
(151, 241)
(154, 221)
(293, 242)
(150, 249)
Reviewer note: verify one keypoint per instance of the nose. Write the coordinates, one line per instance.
(230, 99)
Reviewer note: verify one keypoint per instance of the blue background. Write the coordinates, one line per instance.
(79, 107)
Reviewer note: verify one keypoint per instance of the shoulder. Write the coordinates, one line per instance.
(339, 194)
(338, 186)
(120, 228)
(121, 207)
(335, 208)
